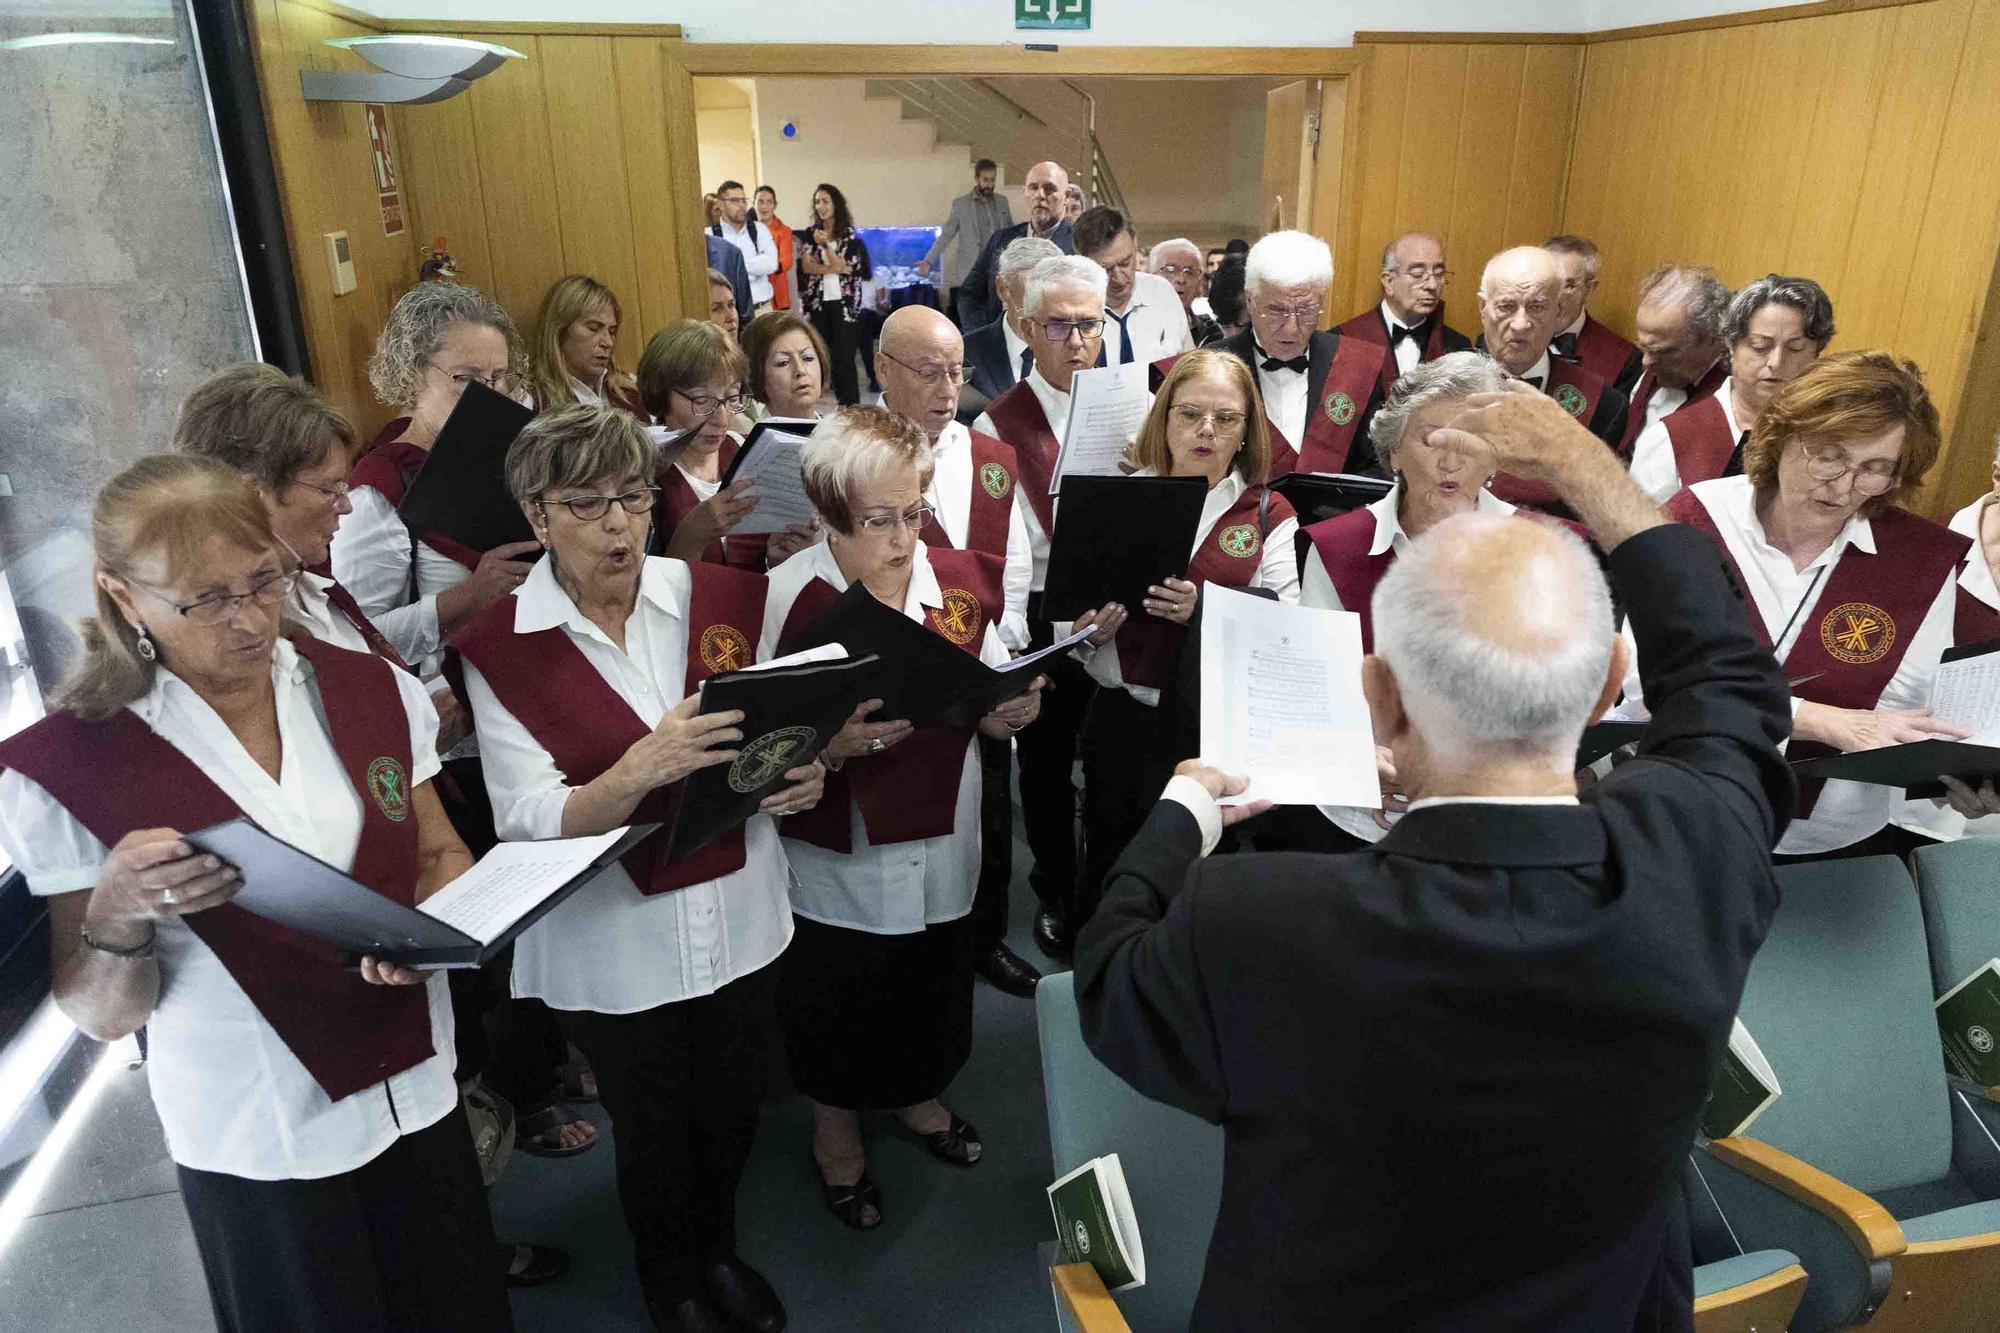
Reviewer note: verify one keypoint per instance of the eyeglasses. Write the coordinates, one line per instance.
(334, 493)
(1424, 272)
(1832, 465)
(1061, 330)
(1279, 315)
(216, 610)
(704, 406)
(1178, 270)
(1190, 417)
(732, 199)
(932, 375)
(590, 508)
(878, 525)
(493, 381)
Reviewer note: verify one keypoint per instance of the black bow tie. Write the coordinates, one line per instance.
(1298, 363)
(1535, 380)
(1398, 332)
(1564, 346)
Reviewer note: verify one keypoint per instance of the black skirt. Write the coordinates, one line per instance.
(875, 1022)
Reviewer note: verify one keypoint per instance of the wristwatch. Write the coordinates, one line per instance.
(138, 953)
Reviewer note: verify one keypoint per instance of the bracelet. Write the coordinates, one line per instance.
(138, 953)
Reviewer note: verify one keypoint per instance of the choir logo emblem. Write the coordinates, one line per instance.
(1082, 1239)
(1240, 541)
(1857, 633)
(994, 480)
(958, 618)
(1979, 1039)
(769, 756)
(1339, 408)
(1571, 398)
(389, 784)
(723, 648)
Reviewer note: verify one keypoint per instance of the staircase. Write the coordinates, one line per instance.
(1016, 122)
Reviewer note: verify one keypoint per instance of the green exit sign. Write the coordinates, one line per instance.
(1052, 13)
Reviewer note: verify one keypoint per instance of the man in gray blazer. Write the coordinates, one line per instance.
(975, 215)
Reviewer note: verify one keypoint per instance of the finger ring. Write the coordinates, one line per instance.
(877, 745)
(167, 896)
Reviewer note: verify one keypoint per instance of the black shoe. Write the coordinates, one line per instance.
(742, 1294)
(1008, 971)
(545, 1263)
(690, 1314)
(1052, 936)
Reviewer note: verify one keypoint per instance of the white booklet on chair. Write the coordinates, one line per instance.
(1744, 1086)
(1095, 1224)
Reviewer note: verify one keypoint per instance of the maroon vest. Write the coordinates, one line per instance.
(994, 466)
(1579, 392)
(348, 1034)
(910, 791)
(390, 468)
(1973, 621)
(678, 500)
(1858, 629)
(341, 600)
(1230, 555)
(1331, 422)
(552, 689)
(1017, 414)
(1642, 394)
(1603, 351)
(1369, 328)
(1699, 432)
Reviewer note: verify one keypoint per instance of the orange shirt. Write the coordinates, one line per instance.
(781, 281)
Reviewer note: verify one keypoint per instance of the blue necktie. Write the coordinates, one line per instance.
(1124, 338)
(1027, 362)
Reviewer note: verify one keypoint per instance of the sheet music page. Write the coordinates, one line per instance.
(1030, 661)
(780, 491)
(1967, 692)
(1281, 701)
(1107, 406)
(509, 881)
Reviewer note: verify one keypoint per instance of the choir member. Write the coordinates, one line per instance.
(310, 1110)
(996, 355)
(723, 307)
(1206, 422)
(691, 382)
(1409, 321)
(1143, 316)
(1685, 357)
(1179, 262)
(661, 969)
(1062, 320)
(576, 337)
(875, 997)
(1520, 295)
(975, 504)
(1579, 336)
(1854, 594)
(785, 359)
(1775, 329)
(420, 589)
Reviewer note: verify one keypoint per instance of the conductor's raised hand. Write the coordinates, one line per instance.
(1521, 429)
(859, 736)
(1219, 784)
(685, 740)
(1105, 620)
(153, 874)
(1013, 714)
(803, 788)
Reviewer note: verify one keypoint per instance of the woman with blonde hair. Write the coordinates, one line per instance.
(570, 360)
(310, 1110)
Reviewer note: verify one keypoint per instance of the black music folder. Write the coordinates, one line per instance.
(1915, 767)
(464, 924)
(1324, 494)
(791, 710)
(920, 677)
(1117, 536)
(461, 490)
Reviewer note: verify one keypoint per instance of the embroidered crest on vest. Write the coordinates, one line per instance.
(768, 756)
(389, 784)
(958, 618)
(1857, 633)
(994, 479)
(1339, 408)
(1571, 398)
(1241, 541)
(723, 648)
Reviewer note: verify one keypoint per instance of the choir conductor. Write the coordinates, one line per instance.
(1459, 1071)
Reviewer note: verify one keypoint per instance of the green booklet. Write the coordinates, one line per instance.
(1744, 1086)
(1968, 1018)
(1095, 1224)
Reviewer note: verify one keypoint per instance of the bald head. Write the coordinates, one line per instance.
(1497, 631)
(1413, 276)
(1519, 295)
(1044, 187)
(920, 361)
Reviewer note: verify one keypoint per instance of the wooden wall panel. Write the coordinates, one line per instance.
(592, 192)
(655, 219)
(510, 122)
(446, 195)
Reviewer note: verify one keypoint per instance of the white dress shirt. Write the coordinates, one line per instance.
(1055, 406)
(1154, 317)
(587, 395)
(230, 1094)
(1284, 395)
(608, 948)
(1407, 352)
(371, 558)
(1316, 589)
(1538, 373)
(760, 255)
(1932, 818)
(1846, 811)
(1191, 796)
(309, 607)
(951, 496)
(1277, 569)
(900, 887)
(1653, 463)
(1016, 345)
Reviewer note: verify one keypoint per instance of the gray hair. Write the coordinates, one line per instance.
(853, 447)
(1389, 264)
(1287, 259)
(1581, 246)
(416, 331)
(1177, 243)
(1529, 692)
(1062, 271)
(1024, 254)
(1801, 294)
(1453, 377)
(1697, 290)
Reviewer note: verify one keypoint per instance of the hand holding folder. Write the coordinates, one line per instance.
(1115, 537)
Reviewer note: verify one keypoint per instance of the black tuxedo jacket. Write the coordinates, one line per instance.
(989, 371)
(978, 303)
(1459, 1072)
(1361, 453)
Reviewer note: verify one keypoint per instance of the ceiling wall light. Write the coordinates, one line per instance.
(82, 39)
(415, 68)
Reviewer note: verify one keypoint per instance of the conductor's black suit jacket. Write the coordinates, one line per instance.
(1459, 1072)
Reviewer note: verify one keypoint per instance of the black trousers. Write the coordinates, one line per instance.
(987, 922)
(682, 1084)
(830, 318)
(1124, 769)
(401, 1243)
(1047, 753)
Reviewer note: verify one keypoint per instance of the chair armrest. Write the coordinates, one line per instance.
(1083, 1297)
(1866, 1223)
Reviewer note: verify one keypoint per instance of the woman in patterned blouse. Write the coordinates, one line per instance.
(833, 263)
